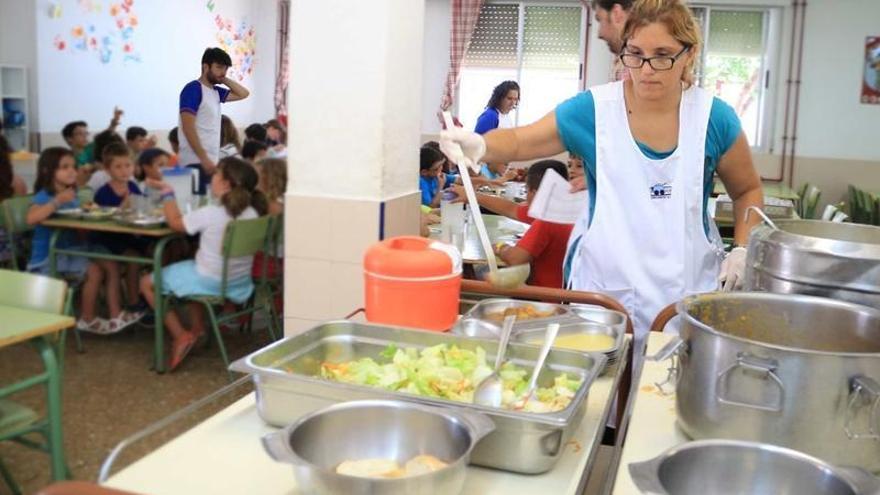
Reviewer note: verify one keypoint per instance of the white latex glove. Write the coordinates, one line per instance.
(463, 147)
(733, 270)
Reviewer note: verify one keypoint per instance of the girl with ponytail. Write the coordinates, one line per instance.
(234, 188)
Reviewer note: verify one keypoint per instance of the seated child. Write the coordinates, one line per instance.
(234, 188)
(118, 192)
(99, 176)
(10, 185)
(230, 144)
(151, 162)
(175, 147)
(544, 244)
(254, 151)
(498, 173)
(56, 189)
(432, 180)
(272, 174)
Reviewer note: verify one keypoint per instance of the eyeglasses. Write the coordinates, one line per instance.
(662, 62)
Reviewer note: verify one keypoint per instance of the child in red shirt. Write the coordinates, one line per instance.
(544, 244)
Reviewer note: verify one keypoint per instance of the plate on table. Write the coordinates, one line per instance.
(69, 212)
(142, 220)
(99, 212)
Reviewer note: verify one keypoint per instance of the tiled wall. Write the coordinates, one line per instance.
(325, 241)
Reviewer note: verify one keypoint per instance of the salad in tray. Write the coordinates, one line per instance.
(448, 372)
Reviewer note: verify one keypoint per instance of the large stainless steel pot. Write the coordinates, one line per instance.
(835, 260)
(375, 429)
(791, 370)
(735, 467)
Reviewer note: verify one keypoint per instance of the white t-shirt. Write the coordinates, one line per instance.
(203, 102)
(210, 221)
(98, 179)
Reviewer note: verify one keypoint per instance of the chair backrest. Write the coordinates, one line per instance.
(276, 235)
(15, 214)
(31, 291)
(243, 238)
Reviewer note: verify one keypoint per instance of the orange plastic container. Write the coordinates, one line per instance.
(412, 282)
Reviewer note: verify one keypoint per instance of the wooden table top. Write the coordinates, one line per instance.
(106, 226)
(19, 325)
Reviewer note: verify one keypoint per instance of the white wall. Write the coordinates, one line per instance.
(18, 46)
(435, 61)
(832, 121)
(170, 37)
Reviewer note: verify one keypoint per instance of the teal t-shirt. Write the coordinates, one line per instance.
(576, 124)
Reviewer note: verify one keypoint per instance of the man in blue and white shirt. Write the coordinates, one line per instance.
(200, 114)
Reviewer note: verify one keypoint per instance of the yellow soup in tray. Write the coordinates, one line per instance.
(585, 342)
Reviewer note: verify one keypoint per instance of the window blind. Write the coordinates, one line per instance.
(494, 42)
(551, 37)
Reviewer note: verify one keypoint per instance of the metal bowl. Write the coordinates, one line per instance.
(378, 429)
(734, 467)
(598, 314)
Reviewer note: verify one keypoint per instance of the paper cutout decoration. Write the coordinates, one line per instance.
(871, 79)
(109, 35)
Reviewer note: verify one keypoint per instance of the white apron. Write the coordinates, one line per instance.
(646, 245)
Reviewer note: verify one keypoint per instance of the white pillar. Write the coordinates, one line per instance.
(354, 102)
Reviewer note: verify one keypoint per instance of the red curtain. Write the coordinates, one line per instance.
(464, 19)
(282, 67)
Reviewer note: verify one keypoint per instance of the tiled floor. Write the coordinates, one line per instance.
(109, 394)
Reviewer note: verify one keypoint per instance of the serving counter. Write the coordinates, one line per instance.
(224, 455)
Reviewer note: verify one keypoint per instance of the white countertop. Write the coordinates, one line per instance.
(652, 426)
(224, 455)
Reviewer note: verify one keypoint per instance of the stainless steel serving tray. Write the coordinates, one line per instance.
(477, 322)
(286, 373)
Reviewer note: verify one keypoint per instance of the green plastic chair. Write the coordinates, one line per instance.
(18, 422)
(270, 287)
(241, 238)
(15, 223)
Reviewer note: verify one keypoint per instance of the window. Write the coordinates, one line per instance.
(538, 45)
(736, 64)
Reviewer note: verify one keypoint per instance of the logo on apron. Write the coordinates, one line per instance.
(661, 191)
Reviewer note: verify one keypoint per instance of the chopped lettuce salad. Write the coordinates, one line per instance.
(448, 372)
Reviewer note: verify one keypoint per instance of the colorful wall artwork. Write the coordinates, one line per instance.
(238, 38)
(91, 27)
(871, 79)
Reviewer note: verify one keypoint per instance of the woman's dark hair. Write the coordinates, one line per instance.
(50, 160)
(428, 157)
(256, 132)
(243, 192)
(500, 92)
(216, 56)
(6, 175)
(228, 132)
(536, 172)
(104, 139)
(250, 148)
(609, 4)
